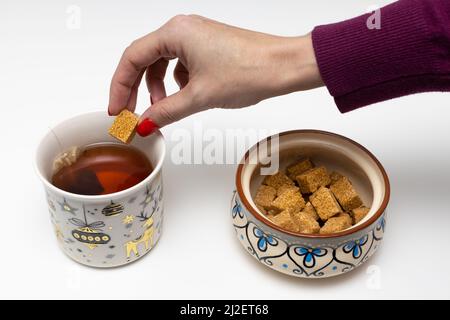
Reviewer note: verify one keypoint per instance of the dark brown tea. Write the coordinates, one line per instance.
(103, 169)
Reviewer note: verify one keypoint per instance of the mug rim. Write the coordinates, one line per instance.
(102, 197)
(349, 231)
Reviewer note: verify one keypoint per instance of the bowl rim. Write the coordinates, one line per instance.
(346, 232)
(157, 169)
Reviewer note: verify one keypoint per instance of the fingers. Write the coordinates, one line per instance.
(181, 75)
(168, 110)
(131, 105)
(140, 54)
(155, 79)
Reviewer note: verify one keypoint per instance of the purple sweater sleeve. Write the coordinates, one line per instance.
(409, 53)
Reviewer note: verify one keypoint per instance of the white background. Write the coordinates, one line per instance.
(49, 72)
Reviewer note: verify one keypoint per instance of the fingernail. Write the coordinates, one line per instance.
(146, 127)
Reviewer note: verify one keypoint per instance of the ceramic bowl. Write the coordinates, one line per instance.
(307, 255)
(104, 230)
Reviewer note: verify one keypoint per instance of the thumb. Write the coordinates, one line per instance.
(166, 111)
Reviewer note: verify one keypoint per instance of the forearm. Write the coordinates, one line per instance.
(410, 53)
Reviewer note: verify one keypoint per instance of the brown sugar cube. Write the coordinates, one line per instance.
(296, 169)
(277, 180)
(264, 196)
(305, 223)
(346, 194)
(359, 214)
(313, 179)
(285, 221)
(336, 224)
(287, 187)
(123, 127)
(346, 216)
(335, 176)
(310, 211)
(325, 203)
(288, 200)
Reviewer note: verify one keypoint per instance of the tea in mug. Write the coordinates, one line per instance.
(103, 168)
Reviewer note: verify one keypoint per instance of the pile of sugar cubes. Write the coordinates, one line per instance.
(307, 199)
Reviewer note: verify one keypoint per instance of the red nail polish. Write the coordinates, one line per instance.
(146, 127)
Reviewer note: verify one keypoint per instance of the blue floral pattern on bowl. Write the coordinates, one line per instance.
(305, 257)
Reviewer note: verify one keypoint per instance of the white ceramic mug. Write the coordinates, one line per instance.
(104, 230)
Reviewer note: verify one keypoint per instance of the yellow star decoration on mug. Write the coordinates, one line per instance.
(128, 219)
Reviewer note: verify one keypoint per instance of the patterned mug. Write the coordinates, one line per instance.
(104, 230)
(311, 255)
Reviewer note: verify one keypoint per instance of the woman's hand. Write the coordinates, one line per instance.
(219, 66)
